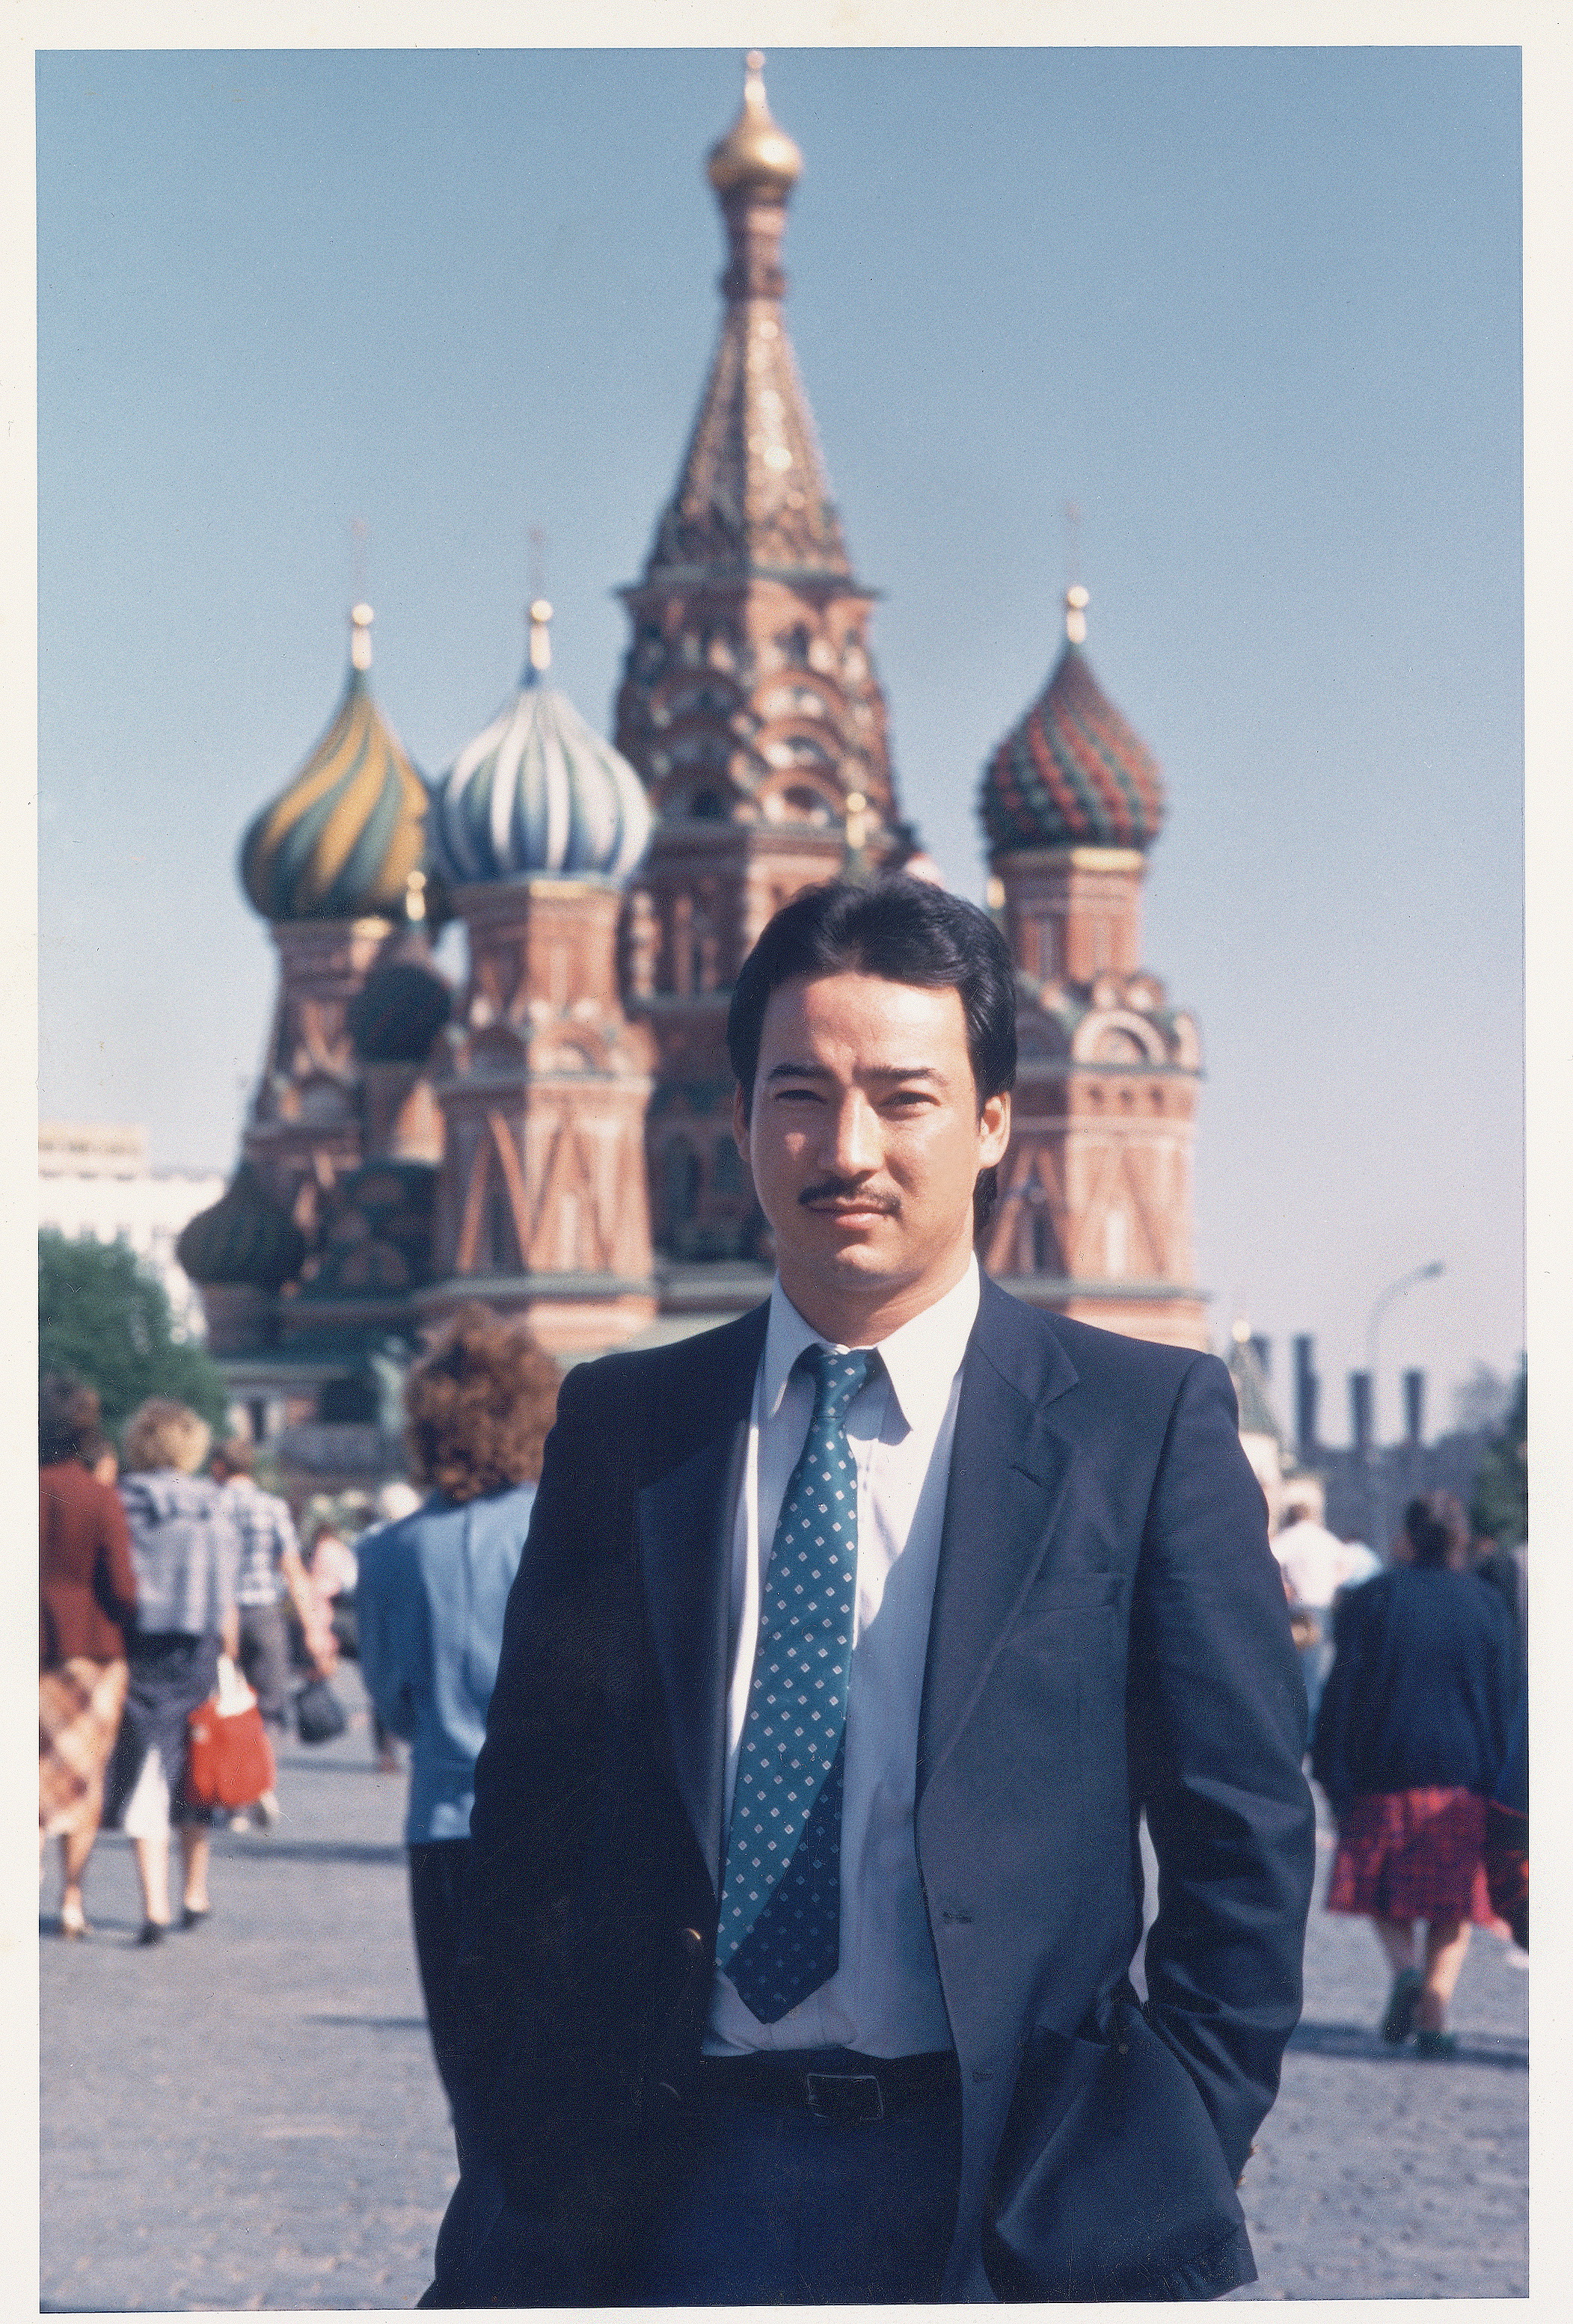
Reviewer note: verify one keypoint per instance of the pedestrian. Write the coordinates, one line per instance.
(332, 1564)
(1413, 1730)
(331, 1526)
(849, 1643)
(430, 1599)
(87, 1596)
(1313, 1563)
(185, 1552)
(271, 1569)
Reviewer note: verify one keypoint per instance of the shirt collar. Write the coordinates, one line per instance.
(922, 1356)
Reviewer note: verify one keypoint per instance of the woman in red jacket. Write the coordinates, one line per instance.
(86, 1593)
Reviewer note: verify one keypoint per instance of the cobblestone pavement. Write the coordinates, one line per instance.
(1378, 2176)
(246, 2117)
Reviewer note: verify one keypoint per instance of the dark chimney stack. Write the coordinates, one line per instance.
(1414, 1407)
(1306, 1385)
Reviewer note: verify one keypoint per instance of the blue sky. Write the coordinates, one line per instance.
(1256, 311)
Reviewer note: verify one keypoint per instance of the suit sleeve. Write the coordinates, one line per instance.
(1217, 1718)
(536, 1775)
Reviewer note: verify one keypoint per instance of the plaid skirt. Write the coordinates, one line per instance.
(1414, 1856)
(78, 1716)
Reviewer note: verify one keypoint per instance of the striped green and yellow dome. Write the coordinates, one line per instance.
(341, 842)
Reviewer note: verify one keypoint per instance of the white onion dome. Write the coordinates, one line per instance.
(539, 791)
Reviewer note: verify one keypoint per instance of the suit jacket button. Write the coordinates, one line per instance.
(692, 1943)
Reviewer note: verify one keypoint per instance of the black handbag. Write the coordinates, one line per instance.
(318, 1713)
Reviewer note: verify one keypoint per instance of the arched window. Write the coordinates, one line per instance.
(808, 805)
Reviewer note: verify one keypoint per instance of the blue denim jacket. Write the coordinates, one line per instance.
(428, 1606)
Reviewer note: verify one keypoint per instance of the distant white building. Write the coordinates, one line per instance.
(94, 1180)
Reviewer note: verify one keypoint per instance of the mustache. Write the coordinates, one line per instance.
(847, 1190)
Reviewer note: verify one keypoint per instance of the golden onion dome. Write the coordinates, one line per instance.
(341, 842)
(754, 154)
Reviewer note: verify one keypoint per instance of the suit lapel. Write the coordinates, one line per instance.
(1008, 1471)
(685, 1529)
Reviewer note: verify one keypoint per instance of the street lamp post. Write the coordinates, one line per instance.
(1376, 1516)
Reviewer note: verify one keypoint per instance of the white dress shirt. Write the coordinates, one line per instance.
(885, 1999)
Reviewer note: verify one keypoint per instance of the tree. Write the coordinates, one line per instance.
(106, 1317)
(1480, 1403)
(1499, 1504)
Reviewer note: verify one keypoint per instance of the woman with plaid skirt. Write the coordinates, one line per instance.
(87, 1596)
(1411, 1736)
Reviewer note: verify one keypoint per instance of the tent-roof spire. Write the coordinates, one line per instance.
(752, 495)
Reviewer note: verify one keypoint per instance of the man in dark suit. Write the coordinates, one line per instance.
(849, 1644)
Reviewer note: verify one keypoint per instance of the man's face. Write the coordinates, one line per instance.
(865, 1139)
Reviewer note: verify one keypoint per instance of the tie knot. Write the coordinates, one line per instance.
(837, 1379)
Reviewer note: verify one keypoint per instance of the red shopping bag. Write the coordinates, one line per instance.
(229, 1761)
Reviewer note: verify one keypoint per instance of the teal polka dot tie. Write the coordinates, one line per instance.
(780, 1937)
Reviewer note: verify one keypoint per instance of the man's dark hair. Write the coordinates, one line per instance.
(237, 1456)
(908, 931)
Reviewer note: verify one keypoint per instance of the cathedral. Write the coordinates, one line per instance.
(555, 1138)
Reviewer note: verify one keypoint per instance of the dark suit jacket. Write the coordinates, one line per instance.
(1109, 1632)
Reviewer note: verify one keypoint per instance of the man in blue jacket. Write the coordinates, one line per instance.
(849, 1643)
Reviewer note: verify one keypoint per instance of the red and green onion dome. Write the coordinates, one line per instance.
(341, 843)
(246, 1237)
(1073, 773)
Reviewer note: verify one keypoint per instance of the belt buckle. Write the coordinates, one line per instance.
(845, 2098)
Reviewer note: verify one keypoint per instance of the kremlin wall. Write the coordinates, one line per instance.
(555, 1138)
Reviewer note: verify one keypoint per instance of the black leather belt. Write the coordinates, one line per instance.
(839, 2086)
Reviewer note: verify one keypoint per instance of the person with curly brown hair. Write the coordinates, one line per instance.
(430, 1597)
